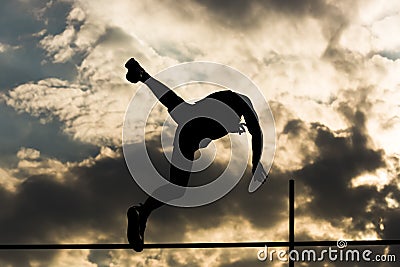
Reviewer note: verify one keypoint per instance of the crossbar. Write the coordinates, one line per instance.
(326, 243)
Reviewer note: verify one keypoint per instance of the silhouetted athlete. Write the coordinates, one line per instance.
(208, 119)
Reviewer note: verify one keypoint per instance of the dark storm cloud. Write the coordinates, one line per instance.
(45, 210)
(245, 14)
(246, 262)
(91, 199)
(100, 257)
(339, 160)
(293, 127)
(241, 8)
(341, 157)
(262, 208)
(96, 198)
(343, 60)
(390, 217)
(391, 222)
(21, 130)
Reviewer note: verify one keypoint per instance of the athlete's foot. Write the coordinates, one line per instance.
(256, 182)
(135, 72)
(136, 226)
(258, 179)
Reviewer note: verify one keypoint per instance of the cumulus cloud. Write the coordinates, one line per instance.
(7, 181)
(79, 36)
(28, 153)
(87, 116)
(6, 47)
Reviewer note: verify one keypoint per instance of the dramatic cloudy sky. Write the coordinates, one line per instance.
(329, 69)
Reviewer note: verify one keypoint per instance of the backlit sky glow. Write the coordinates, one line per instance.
(329, 69)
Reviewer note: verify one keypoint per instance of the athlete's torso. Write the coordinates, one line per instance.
(212, 117)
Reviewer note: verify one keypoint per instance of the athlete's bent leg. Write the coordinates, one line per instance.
(180, 169)
(182, 159)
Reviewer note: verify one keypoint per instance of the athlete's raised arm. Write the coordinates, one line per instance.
(253, 126)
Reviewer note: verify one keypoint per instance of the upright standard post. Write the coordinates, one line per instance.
(291, 219)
